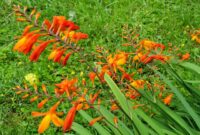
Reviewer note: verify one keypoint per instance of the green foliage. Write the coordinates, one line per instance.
(80, 129)
(163, 21)
(174, 122)
(101, 130)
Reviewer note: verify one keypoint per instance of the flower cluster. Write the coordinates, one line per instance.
(127, 68)
(61, 33)
(196, 36)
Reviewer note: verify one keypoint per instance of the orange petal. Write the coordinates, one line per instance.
(79, 107)
(59, 113)
(93, 121)
(37, 15)
(37, 114)
(26, 48)
(20, 43)
(168, 99)
(69, 118)
(114, 107)
(26, 29)
(41, 104)
(94, 97)
(86, 106)
(99, 103)
(92, 76)
(33, 12)
(25, 96)
(44, 124)
(18, 92)
(58, 56)
(56, 120)
(64, 62)
(25, 86)
(83, 82)
(44, 88)
(21, 19)
(34, 99)
(185, 56)
(35, 88)
(18, 87)
(115, 119)
(127, 76)
(47, 23)
(54, 107)
(38, 50)
(52, 54)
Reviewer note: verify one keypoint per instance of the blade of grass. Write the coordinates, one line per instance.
(178, 78)
(150, 121)
(112, 128)
(97, 126)
(168, 112)
(80, 129)
(190, 66)
(126, 106)
(109, 116)
(191, 81)
(182, 99)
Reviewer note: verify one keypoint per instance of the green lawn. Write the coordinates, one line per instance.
(164, 21)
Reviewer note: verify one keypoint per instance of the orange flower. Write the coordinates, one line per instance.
(51, 115)
(115, 119)
(33, 12)
(57, 23)
(44, 89)
(67, 86)
(104, 70)
(92, 76)
(167, 100)
(47, 23)
(58, 55)
(38, 50)
(64, 62)
(195, 36)
(25, 96)
(80, 106)
(60, 24)
(23, 40)
(147, 59)
(69, 118)
(34, 99)
(114, 107)
(185, 56)
(35, 88)
(21, 19)
(53, 53)
(132, 94)
(26, 29)
(41, 104)
(127, 76)
(83, 81)
(93, 121)
(37, 16)
(138, 84)
(19, 92)
(76, 36)
(93, 98)
(150, 45)
(26, 43)
(137, 57)
(118, 60)
(140, 70)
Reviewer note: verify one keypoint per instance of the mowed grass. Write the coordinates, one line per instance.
(159, 20)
